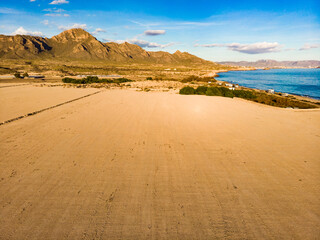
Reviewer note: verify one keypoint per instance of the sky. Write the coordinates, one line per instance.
(224, 30)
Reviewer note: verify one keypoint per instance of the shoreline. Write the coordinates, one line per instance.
(304, 97)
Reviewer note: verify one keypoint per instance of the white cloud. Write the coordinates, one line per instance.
(57, 15)
(98, 30)
(45, 22)
(56, 10)
(32, 0)
(307, 46)
(75, 25)
(56, 2)
(5, 10)
(253, 48)
(154, 32)
(143, 43)
(22, 31)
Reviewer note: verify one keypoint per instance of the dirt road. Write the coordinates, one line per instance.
(132, 165)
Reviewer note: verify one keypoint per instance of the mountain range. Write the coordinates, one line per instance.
(77, 44)
(275, 64)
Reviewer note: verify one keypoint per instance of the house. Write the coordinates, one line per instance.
(231, 88)
(229, 85)
(270, 91)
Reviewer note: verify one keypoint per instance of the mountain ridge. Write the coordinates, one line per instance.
(78, 44)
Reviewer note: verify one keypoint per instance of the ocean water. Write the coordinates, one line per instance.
(304, 82)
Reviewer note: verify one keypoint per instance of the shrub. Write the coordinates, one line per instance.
(25, 74)
(201, 90)
(17, 75)
(187, 90)
(244, 94)
(198, 79)
(94, 79)
(149, 78)
(226, 92)
(258, 97)
(213, 91)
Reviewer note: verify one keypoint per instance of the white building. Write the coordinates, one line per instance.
(270, 91)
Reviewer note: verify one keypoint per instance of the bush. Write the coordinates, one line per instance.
(198, 79)
(244, 94)
(187, 91)
(149, 78)
(201, 90)
(213, 91)
(258, 97)
(226, 92)
(17, 75)
(94, 79)
(25, 74)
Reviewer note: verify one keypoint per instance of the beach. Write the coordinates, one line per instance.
(127, 164)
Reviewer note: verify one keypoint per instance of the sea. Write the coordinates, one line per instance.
(303, 82)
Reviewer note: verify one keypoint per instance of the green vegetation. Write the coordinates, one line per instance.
(25, 74)
(259, 97)
(149, 78)
(17, 75)
(94, 79)
(198, 79)
(187, 91)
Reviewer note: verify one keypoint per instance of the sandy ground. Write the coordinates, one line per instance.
(150, 165)
(17, 100)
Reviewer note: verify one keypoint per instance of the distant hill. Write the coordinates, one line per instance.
(275, 64)
(78, 44)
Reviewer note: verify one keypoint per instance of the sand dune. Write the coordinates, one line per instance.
(133, 165)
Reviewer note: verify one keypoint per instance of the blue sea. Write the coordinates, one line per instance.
(304, 82)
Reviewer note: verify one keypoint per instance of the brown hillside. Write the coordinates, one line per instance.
(77, 44)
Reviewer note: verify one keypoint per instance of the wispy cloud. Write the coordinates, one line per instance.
(75, 25)
(307, 46)
(57, 15)
(142, 43)
(154, 32)
(5, 10)
(56, 10)
(98, 30)
(45, 22)
(57, 2)
(22, 31)
(146, 44)
(253, 48)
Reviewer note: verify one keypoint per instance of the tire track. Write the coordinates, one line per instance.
(48, 108)
(15, 85)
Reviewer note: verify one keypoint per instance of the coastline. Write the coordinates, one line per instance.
(301, 97)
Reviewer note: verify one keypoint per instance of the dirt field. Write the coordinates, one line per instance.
(123, 164)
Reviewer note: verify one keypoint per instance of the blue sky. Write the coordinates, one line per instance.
(215, 30)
